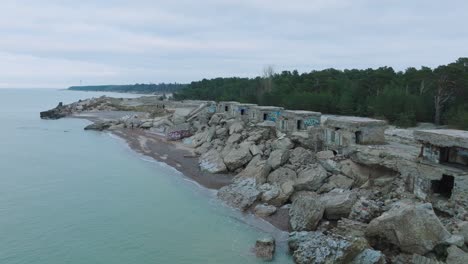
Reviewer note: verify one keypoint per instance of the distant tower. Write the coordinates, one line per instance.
(81, 82)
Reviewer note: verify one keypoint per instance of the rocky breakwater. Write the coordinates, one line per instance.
(338, 210)
(102, 103)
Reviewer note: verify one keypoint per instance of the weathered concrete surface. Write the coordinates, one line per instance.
(258, 169)
(241, 194)
(265, 248)
(338, 203)
(443, 137)
(212, 162)
(316, 247)
(306, 211)
(414, 228)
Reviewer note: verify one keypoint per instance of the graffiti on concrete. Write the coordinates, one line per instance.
(272, 116)
(212, 109)
(311, 122)
(179, 134)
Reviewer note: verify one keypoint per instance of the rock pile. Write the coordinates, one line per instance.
(372, 222)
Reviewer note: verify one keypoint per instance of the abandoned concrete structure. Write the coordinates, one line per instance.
(227, 108)
(297, 120)
(265, 113)
(444, 146)
(242, 111)
(343, 131)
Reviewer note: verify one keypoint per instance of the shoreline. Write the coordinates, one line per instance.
(182, 158)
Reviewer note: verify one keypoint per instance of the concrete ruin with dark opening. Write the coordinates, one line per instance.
(343, 131)
(298, 120)
(265, 113)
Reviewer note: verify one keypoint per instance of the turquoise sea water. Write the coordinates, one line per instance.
(74, 196)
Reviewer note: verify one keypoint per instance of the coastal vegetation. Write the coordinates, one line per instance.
(133, 88)
(438, 95)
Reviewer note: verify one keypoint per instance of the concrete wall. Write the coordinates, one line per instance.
(243, 111)
(431, 153)
(374, 135)
(257, 114)
(230, 106)
(288, 122)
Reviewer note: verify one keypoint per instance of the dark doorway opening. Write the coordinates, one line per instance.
(265, 116)
(358, 135)
(226, 108)
(299, 124)
(242, 111)
(443, 186)
(454, 155)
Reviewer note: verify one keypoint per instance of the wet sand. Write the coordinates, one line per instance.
(174, 154)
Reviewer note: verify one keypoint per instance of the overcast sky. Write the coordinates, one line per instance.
(57, 43)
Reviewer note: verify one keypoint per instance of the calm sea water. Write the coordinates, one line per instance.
(70, 196)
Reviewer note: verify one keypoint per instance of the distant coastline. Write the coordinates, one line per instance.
(161, 88)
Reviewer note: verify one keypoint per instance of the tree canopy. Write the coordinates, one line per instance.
(437, 95)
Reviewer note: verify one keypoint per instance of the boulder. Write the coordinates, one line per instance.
(147, 125)
(464, 231)
(324, 155)
(337, 181)
(338, 203)
(212, 162)
(306, 212)
(414, 228)
(236, 127)
(215, 119)
(180, 115)
(99, 126)
(456, 256)
(199, 138)
(269, 192)
(300, 156)
(265, 248)
(369, 256)
(204, 148)
(237, 158)
(234, 138)
(330, 165)
(221, 132)
(241, 194)
(263, 210)
(278, 157)
(281, 175)
(348, 227)
(257, 169)
(318, 248)
(255, 150)
(311, 179)
(364, 210)
(286, 189)
(58, 112)
(282, 143)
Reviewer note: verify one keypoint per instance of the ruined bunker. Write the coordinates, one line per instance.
(343, 131)
(297, 120)
(265, 113)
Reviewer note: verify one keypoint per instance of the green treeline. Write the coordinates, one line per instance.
(403, 98)
(133, 88)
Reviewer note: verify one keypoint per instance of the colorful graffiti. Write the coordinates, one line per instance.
(272, 116)
(311, 122)
(212, 109)
(178, 134)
